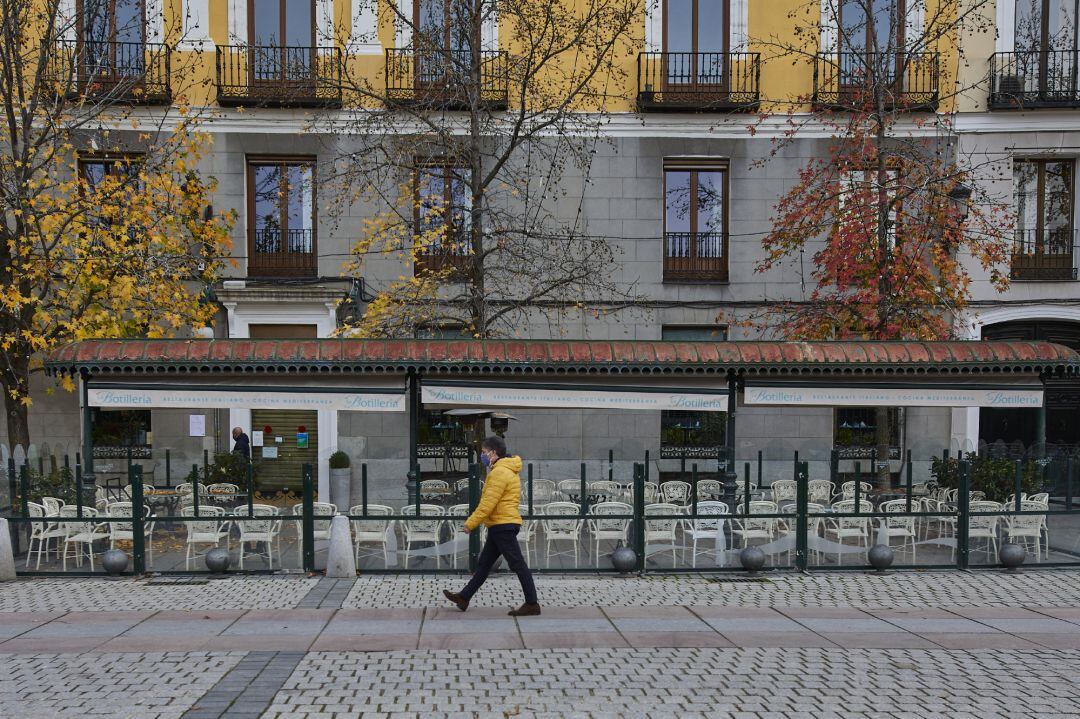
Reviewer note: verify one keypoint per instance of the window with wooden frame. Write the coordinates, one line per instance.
(858, 203)
(122, 170)
(282, 219)
(695, 220)
(442, 214)
(113, 38)
(871, 41)
(282, 38)
(1043, 196)
(855, 431)
(696, 36)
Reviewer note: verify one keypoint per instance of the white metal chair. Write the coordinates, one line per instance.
(611, 490)
(81, 533)
(207, 533)
(372, 529)
(985, 526)
(751, 528)
(662, 530)
(709, 527)
(784, 490)
(37, 532)
(901, 526)
(543, 491)
(651, 490)
(845, 527)
(434, 485)
(456, 515)
(709, 490)
(675, 492)
(528, 529)
(847, 489)
(602, 527)
(1026, 527)
(419, 531)
(569, 488)
(322, 526)
(52, 505)
(264, 529)
(1043, 497)
(561, 530)
(125, 531)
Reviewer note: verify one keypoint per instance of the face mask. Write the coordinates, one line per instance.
(484, 460)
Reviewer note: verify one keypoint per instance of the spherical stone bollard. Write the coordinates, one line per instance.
(1012, 555)
(752, 559)
(880, 557)
(114, 561)
(217, 560)
(623, 559)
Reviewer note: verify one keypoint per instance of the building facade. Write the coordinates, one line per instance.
(704, 96)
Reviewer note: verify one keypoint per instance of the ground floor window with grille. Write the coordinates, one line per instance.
(115, 432)
(1043, 197)
(855, 432)
(695, 220)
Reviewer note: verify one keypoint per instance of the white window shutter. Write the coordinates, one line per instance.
(914, 25)
(1006, 26)
(829, 29)
(364, 37)
(654, 25)
(65, 20)
(155, 21)
(238, 22)
(196, 25)
(403, 23)
(739, 24)
(489, 30)
(324, 23)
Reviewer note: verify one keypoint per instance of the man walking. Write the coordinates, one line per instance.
(241, 443)
(498, 511)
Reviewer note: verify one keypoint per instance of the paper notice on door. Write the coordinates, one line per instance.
(196, 425)
(269, 452)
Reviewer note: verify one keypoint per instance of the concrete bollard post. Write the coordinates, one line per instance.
(7, 557)
(340, 561)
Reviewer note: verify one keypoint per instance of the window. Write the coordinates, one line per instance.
(112, 33)
(282, 34)
(1043, 197)
(281, 211)
(443, 215)
(695, 220)
(879, 30)
(859, 198)
(695, 41)
(1045, 25)
(120, 428)
(855, 431)
(688, 433)
(120, 173)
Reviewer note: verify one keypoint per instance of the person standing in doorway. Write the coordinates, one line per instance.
(241, 443)
(498, 511)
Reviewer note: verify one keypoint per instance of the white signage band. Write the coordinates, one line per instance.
(894, 396)
(572, 398)
(240, 399)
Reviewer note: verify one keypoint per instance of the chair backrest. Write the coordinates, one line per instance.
(371, 525)
(462, 485)
(848, 489)
(709, 488)
(977, 496)
(899, 506)
(570, 486)
(664, 525)
(121, 509)
(784, 489)
(820, 491)
(561, 526)
(543, 491)
(848, 505)
(711, 509)
(35, 510)
(223, 488)
(987, 522)
(77, 527)
(211, 526)
(265, 523)
(1040, 497)
(599, 521)
(422, 526)
(675, 492)
(605, 488)
(52, 505)
(434, 484)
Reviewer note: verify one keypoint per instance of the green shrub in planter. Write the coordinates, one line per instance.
(996, 478)
(339, 460)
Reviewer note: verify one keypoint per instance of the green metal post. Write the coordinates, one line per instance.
(1019, 485)
(251, 489)
(746, 491)
(908, 467)
(195, 489)
(802, 525)
(168, 469)
(530, 488)
(963, 506)
(129, 462)
(138, 518)
(474, 500)
(760, 467)
(834, 466)
(639, 514)
(363, 487)
(858, 486)
(24, 490)
(41, 464)
(693, 490)
(729, 434)
(308, 521)
(206, 465)
(416, 473)
(584, 492)
(78, 491)
(646, 476)
(610, 469)
(13, 486)
(1068, 484)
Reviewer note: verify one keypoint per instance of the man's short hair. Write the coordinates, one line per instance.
(495, 444)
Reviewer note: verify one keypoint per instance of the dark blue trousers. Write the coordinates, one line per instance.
(502, 541)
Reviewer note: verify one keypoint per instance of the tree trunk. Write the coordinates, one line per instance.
(17, 415)
(883, 435)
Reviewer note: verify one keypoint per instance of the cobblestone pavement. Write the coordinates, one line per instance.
(93, 594)
(160, 685)
(916, 589)
(749, 683)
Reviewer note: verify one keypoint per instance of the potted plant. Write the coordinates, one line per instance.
(340, 480)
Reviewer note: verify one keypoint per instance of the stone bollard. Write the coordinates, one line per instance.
(340, 561)
(7, 557)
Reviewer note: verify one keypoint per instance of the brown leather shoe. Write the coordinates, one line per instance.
(461, 602)
(526, 610)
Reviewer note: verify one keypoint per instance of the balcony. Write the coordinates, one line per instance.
(695, 257)
(283, 254)
(857, 80)
(698, 81)
(1043, 255)
(270, 76)
(447, 80)
(437, 258)
(133, 72)
(1033, 79)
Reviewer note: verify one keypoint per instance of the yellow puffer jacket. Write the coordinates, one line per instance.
(502, 496)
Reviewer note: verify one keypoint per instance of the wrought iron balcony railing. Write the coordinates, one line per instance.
(436, 258)
(135, 72)
(1044, 255)
(698, 80)
(859, 80)
(447, 79)
(695, 257)
(279, 76)
(1037, 78)
(275, 253)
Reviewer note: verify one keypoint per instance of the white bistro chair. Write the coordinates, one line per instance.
(372, 529)
(206, 533)
(80, 534)
(561, 530)
(422, 531)
(264, 529)
(124, 531)
(321, 526)
(604, 528)
(708, 528)
(662, 531)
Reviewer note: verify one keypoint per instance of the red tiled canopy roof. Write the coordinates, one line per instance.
(756, 358)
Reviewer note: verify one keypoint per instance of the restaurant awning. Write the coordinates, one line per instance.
(1004, 393)
(706, 397)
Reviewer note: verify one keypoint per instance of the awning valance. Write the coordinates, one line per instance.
(957, 393)
(127, 395)
(704, 397)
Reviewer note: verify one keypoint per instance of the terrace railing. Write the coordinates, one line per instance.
(447, 79)
(1033, 78)
(860, 80)
(135, 72)
(698, 81)
(1044, 255)
(279, 76)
